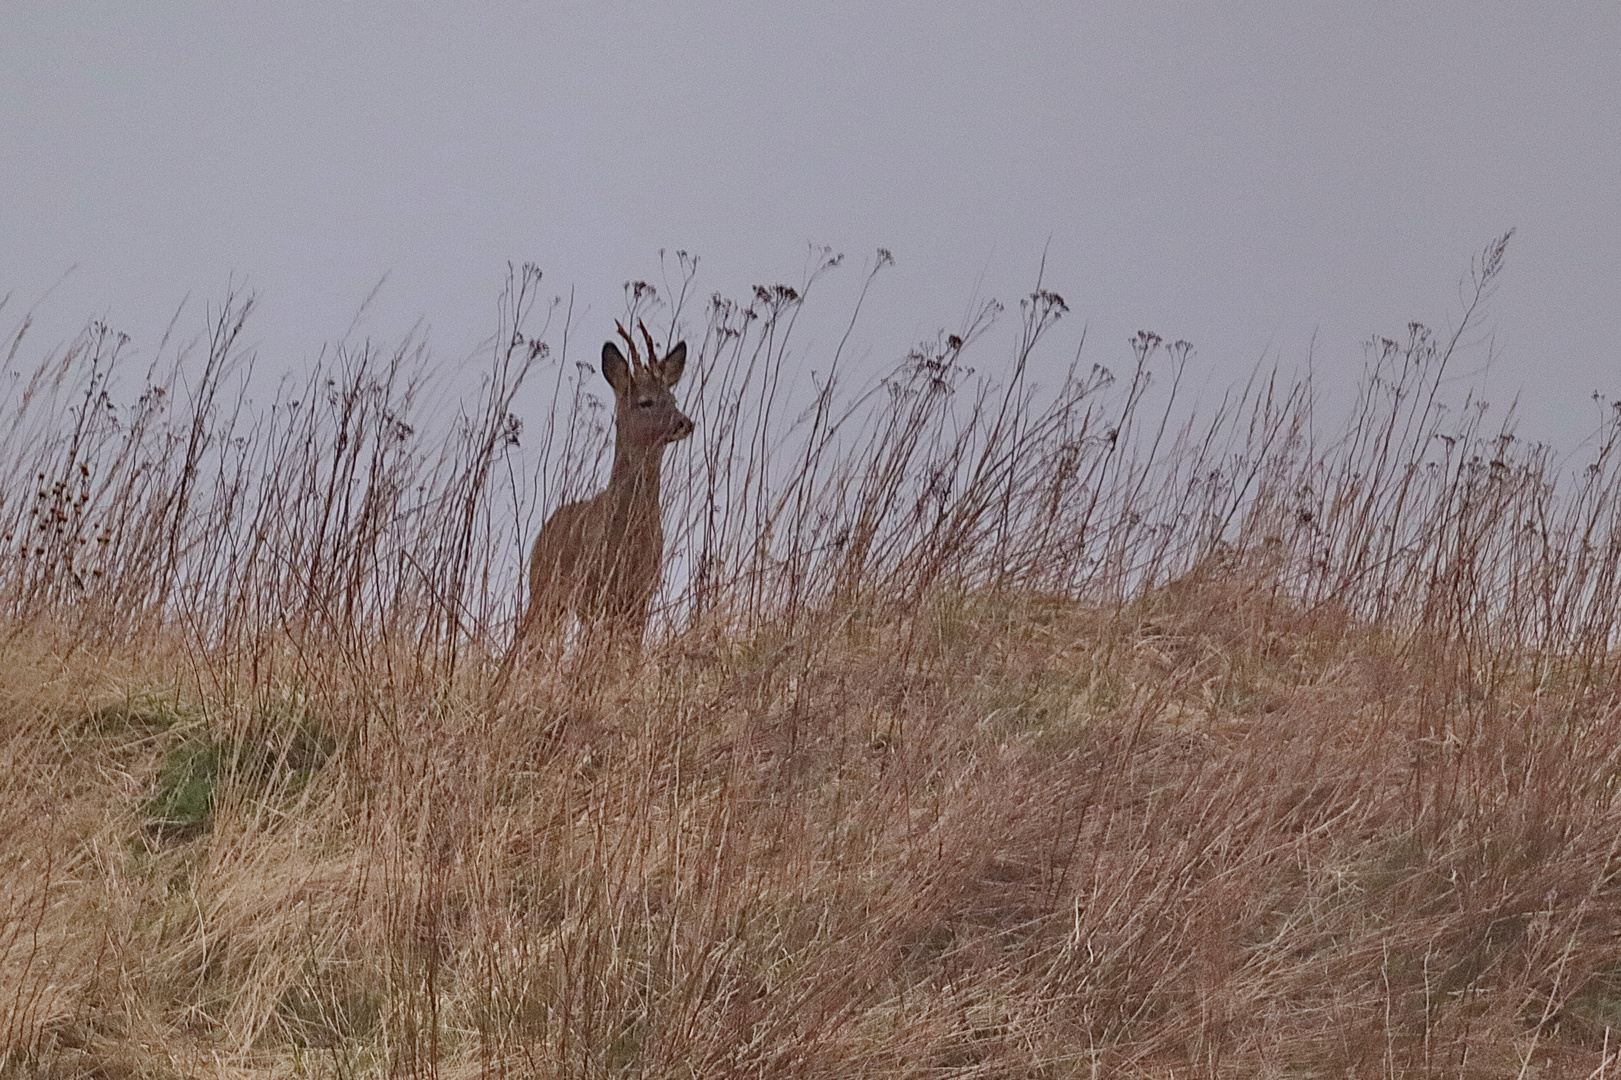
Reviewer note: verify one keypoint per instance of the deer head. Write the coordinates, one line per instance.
(647, 414)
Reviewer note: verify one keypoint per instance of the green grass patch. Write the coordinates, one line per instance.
(282, 748)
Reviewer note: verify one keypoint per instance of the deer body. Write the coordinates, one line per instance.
(601, 559)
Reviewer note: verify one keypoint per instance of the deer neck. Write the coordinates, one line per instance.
(633, 486)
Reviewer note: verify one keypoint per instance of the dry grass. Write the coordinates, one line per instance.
(987, 729)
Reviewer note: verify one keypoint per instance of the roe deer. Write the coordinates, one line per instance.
(602, 559)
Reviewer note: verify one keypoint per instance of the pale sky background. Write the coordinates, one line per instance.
(1244, 175)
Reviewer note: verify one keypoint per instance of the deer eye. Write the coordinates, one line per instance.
(646, 403)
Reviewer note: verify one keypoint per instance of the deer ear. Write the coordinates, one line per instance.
(614, 368)
(674, 363)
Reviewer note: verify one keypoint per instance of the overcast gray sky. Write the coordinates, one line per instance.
(1244, 175)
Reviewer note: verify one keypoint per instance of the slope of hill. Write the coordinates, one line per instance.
(986, 728)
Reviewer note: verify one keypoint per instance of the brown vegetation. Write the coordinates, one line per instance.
(986, 729)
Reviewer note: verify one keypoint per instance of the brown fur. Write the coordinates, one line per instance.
(601, 559)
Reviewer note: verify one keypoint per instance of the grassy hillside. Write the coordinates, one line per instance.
(992, 726)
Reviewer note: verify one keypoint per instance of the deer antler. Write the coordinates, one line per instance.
(635, 357)
(652, 353)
